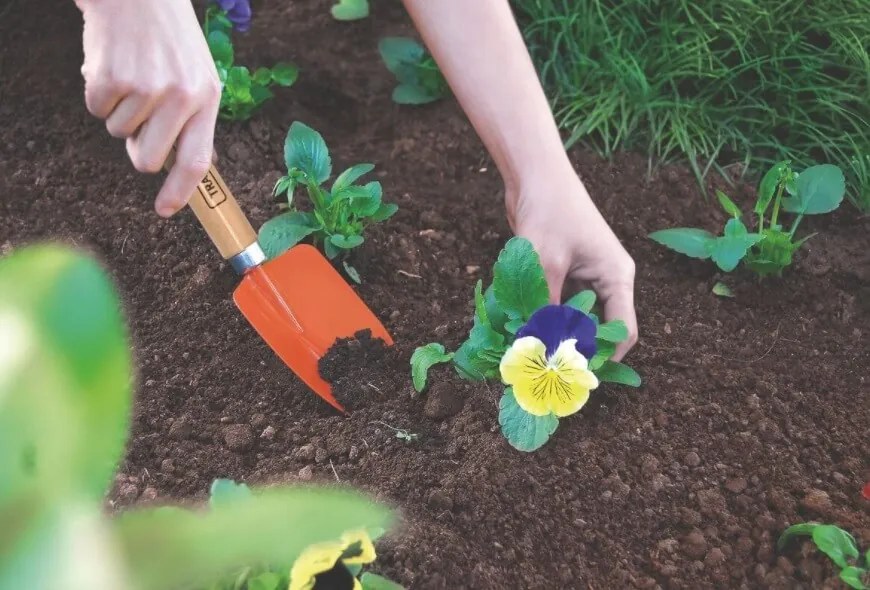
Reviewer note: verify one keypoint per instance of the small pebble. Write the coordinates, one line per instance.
(692, 459)
(306, 473)
(238, 437)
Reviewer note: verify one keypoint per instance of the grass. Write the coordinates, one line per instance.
(715, 82)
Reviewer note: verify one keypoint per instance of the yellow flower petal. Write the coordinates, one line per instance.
(316, 559)
(363, 554)
(524, 366)
(573, 380)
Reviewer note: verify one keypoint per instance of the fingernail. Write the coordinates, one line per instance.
(166, 211)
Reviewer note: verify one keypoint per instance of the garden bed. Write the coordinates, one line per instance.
(754, 413)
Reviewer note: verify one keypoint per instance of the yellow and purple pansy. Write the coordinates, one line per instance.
(323, 566)
(548, 363)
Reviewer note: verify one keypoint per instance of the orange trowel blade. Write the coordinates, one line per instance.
(300, 305)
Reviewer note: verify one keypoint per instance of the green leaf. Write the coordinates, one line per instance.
(349, 10)
(690, 241)
(583, 301)
(613, 372)
(423, 359)
(413, 94)
(238, 86)
(65, 382)
(171, 548)
(260, 94)
(525, 432)
(835, 543)
(351, 272)
(853, 577)
(728, 205)
(330, 249)
(281, 233)
(820, 189)
(351, 175)
(613, 331)
(513, 326)
(496, 315)
(722, 290)
(224, 491)
(284, 74)
(399, 53)
(262, 76)
(603, 351)
(518, 280)
(384, 212)
(372, 581)
(478, 357)
(727, 251)
(265, 581)
(346, 242)
(305, 149)
(767, 187)
(804, 529)
(368, 202)
(480, 305)
(221, 48)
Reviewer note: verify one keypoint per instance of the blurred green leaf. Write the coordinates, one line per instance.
(722, 290)
(372, 581)
(584, 301)
(690, 241)
(728, 205)
(835, 543)
(224, 491)
(820, 189)
(167, 548)
(728, 250)
(525, 432)
(349, 10)
(423, 359)
(284, 74)
(613, 372)
(768, 184)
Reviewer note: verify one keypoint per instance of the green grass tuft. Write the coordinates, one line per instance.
(714, 82)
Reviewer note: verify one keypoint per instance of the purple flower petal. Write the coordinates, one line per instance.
(238, 11)
(225, 4)
(553, 324)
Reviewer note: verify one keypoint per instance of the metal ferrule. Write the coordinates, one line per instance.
(248, 259)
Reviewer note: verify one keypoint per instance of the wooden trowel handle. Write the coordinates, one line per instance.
(219, 213)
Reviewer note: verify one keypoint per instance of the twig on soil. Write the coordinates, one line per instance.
(334, 472)
(124, 243)
(408, 274)
(375, 388)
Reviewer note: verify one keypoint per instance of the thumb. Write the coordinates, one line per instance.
(619, 305)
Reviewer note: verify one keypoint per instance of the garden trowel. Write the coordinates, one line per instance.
(297, 302)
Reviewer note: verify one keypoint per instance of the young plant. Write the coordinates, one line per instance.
(65, 399)
(420, 80)
(348, 10)
(550, 356)
(334, 564)
(837, 544)
(770, 249)
(339, 214)
(243, 92)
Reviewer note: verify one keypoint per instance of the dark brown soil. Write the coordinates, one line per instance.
(754, 412)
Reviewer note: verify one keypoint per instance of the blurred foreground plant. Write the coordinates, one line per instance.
(65, 396)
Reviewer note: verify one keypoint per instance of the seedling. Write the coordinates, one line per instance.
(550, 356)
(348, 10)
(340, 214)
(420, 80)
(837, 544)
(771, 248)
(243, 92)
(401, 433)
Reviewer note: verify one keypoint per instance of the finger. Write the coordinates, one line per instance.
(101, 98)
(193, 158)
(619, 305)
(130, 114)
(555, 275)
(149, 148)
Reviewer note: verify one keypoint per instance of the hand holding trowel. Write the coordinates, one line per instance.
(297, 302)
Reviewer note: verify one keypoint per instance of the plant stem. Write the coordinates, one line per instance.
(794, 225)
(777, 200)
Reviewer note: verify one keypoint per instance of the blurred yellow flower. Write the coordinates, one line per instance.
(323, 565)
(558, 384)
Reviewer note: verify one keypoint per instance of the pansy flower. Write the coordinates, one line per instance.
(548, 363)
(238, 11)
(323, 566)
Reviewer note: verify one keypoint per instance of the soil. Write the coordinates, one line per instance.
(754, 411)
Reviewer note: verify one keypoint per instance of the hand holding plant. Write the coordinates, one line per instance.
(770, 249)
(340, 214)
(243, 92)
(550, 357)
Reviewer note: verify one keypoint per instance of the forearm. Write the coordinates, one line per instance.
(483, 57)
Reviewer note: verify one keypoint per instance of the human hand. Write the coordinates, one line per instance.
(148, 72)
(577, 247)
